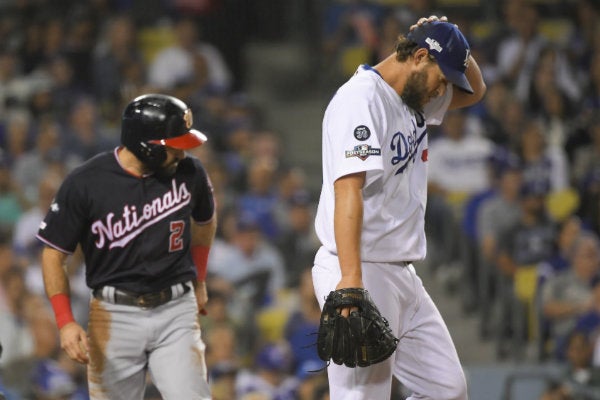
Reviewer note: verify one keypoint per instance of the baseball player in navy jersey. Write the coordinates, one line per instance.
(370, 217)
(144, 216)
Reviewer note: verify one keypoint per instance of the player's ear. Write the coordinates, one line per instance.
(421, 55)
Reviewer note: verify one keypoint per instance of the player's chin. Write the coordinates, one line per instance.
(167, 170)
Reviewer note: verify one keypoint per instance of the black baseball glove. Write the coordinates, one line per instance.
(361, 339)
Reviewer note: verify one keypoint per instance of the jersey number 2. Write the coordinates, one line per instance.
(175, 240)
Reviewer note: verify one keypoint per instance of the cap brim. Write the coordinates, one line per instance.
(189, 140)
(457, 78)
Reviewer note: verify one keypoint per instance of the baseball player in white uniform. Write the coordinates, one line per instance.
(370, 217)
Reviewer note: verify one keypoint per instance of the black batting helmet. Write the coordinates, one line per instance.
(152, 121)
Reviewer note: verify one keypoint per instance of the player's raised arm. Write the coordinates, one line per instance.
(461, 98)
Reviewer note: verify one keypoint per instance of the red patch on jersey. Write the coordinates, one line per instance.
(424, 155)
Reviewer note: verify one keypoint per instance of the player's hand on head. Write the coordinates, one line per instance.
(431, 18)
(73, 340)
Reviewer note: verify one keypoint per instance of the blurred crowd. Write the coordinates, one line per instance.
(67, 69)
(513, 217)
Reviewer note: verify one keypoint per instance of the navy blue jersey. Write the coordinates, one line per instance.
(134, 231)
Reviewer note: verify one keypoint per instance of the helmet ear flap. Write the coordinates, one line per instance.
(153, 155)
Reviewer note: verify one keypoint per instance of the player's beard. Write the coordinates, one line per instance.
(414, 93)
(167, 169)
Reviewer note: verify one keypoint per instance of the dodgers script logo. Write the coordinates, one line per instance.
(133, 221)
(406, 146)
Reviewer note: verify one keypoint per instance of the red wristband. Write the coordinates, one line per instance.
(61, 304)
(200, 258)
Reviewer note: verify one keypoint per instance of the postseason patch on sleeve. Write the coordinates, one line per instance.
(363, 151)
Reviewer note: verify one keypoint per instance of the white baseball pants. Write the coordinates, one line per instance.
(425, 361)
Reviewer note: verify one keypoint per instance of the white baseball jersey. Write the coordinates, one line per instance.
(367, 127)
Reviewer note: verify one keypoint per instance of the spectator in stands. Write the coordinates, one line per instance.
(582, 377)
(313, 386)
(553, 96)
(8, 82)
(18, 124)
(12, 200)
(50, 382)
(7, 262)
(586, 173)
(175, 64)
(84, 134)
(514, 118)
(569, 231)
(17, 338)
(388, 34)
(21, 372)
(222, 348)
(567, 296)
(63, 87)
(273, 377)
(545, 167)
(458, 169)
(260, 200)
(292, 182)
(556, 391)
(495, 216)
(591, 96)
(249, 262)
(298, 242)
(588, 323)
(521, 249)
(584, 25)
(586, 163)
(552, 71)
(45, 39)
(79, 42)
(301, 325)
(43, 156)
(224, 192)
(25, 245)
(411, 11)
(519, 52)
(495, 103)
(350, 31)
(237, 155)
(114, 52)
(222, 378)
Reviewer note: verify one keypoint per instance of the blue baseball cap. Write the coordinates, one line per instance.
(449, 47)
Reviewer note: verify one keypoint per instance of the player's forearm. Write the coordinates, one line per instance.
(202, 238)
(348, 218)
(56, 283)
(475, 78)
(55, 276)
(462, 99)
(203, 234)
